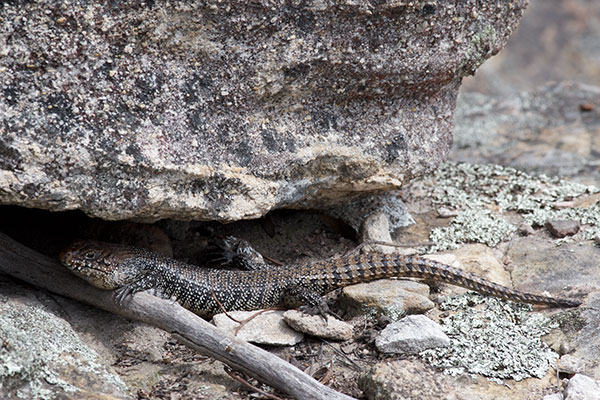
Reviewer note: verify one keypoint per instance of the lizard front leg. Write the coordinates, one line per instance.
(142, 283)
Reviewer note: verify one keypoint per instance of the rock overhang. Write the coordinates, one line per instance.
(227, 110)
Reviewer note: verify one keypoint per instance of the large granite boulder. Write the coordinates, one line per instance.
(224, 110)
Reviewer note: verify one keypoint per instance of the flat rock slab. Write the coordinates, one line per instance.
(226, 110)
(411, 335)
(315, 325)
(267, 328)
(539, 264)
(393, 298)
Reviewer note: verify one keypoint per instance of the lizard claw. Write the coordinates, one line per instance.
(121, 294)
(321, 309)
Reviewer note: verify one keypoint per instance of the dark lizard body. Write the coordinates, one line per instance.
(130, 270)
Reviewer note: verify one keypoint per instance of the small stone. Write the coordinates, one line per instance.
(581, 387)
(554, 396)
(376, 227)
(445, 212)
(411, 335)
(597, 239)
(563, 227)
(571, 364)
(586, 107)
(393, 298)
(355, 212)
(525, 229)
(315, 325)
(267, 328)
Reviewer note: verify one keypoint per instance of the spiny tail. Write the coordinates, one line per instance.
(369, 267)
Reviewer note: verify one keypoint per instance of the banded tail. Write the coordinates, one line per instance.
(369, 267)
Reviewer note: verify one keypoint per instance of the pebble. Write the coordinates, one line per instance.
(444, 212)
(315, 325)
(563, 227)
(581, 387)
(554, 396)
(267, 328)
(525, 229)
(411, 335)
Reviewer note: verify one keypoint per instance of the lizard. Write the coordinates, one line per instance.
(128, 270)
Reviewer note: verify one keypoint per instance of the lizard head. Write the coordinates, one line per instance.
(104, 265)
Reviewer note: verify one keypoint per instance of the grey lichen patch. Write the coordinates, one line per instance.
(41, 356)
(474, 225)
(482, 194)
(499, 339)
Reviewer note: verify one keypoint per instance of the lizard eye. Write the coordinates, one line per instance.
(90, 255)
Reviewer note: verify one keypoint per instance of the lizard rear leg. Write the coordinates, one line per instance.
(310, 302)
(232, 251)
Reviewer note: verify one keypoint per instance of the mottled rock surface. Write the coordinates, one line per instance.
(501, 340)
(226, 110)
(42, 357)
(544, 130)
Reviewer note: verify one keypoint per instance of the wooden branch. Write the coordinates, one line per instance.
(34, 268)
